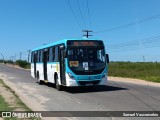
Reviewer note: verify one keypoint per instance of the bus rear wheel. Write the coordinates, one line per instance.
(40, 82)
(58, 86)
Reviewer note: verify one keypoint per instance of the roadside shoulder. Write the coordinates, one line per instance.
(133, 81)
(16, 66)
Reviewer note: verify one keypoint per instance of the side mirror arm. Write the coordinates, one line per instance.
(107, 58)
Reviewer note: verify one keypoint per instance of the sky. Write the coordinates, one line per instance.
(130, 29)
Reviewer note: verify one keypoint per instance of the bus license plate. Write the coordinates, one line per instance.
(89, 84)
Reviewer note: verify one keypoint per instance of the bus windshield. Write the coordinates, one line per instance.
(86, 59)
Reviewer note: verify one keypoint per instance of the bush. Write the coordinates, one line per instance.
(9, 61)
(1, 61)
(22, 63)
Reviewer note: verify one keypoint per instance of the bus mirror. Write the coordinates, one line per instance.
(107, 58)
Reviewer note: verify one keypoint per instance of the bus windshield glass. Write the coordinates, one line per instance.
(86, 58)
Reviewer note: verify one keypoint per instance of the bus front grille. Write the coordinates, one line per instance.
(95, 82)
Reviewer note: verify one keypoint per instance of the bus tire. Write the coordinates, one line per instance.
(58, 86)
(38, 80)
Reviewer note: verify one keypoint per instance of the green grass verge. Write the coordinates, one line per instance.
(148, 71)
(4, 106)
(18, 101)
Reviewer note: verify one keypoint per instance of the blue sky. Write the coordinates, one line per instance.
(26, 24)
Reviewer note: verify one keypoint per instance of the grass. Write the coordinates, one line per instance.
(4, 106)
(149, 71)
(18, 101)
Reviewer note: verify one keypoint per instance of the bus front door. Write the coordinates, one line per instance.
(62, 66)
(45, 59)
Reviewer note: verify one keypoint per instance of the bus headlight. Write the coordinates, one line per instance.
(70, 75)
(105, 75)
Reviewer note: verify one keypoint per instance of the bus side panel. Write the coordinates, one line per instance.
(53, 68)
(50, 72)
(32, 70)
(40, 70)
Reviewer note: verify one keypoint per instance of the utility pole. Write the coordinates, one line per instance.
(87, 33)
(29, 51)
(20, 54)
(143, 58)
(15, 57)
(2, 56)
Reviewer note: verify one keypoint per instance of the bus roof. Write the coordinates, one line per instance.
(60, 42)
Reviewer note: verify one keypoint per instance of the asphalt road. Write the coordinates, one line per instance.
(116, 96)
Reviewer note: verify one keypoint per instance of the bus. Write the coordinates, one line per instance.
(70, 62)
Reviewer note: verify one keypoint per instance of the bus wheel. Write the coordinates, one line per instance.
(38, 80)
(58, 86)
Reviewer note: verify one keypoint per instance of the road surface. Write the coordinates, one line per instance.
(116, 96)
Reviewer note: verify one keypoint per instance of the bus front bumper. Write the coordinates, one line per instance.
(72, 82)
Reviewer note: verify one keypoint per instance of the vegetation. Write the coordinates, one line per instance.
(20, 63)
(149, 71)
(23, 64)
(5, 106)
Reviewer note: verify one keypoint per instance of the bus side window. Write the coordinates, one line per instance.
(32, 57)
(35, 57)
(39, 56)
(48, 53)
(56, 53)
(53, 54)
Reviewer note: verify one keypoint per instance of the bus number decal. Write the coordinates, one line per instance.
(74, 63)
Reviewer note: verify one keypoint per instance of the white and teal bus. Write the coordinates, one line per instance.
(71, 62)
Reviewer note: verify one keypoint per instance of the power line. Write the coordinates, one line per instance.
(129, 24)
(81, 13)
(132, 45)
(88, 11)
(69, 4)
